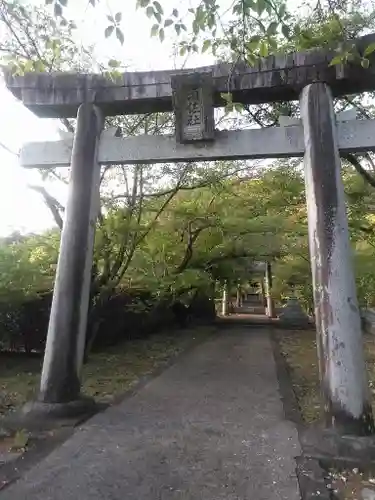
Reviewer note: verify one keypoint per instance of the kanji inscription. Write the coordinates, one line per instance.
(193, 106)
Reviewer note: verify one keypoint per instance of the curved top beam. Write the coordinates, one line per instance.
(275, 78)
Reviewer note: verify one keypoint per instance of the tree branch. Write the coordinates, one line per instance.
(357, 165)
(182, 187)
(51, 202)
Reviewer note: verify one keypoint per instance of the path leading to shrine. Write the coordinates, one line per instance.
(210, 427)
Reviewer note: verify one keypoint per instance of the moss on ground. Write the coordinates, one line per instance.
(299, 350)
(107, 374)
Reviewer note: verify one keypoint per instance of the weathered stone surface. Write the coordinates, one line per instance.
(270, 307)
(225, 300)
(9, 456)
(337, 318)
(293, 313)
(60, 381)
(3, 431)
(273, 142)
(327, 443)
(368, 494)
(276, 78)
(36, 411)
(311, 479)
(193, 106)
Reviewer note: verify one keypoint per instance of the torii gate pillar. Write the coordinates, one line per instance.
(225, 300)
(60, 383)
(270, 307)
(339, 334)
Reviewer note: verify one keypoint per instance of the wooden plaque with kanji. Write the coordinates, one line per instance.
(193, 106)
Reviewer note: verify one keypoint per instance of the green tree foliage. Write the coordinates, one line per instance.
(245, 30)
(249, 29)
(209, 234)
(27, 266)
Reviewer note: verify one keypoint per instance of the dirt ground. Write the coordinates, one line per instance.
(106, 375)
(299, 349)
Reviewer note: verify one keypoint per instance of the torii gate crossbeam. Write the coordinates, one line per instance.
(275, 142)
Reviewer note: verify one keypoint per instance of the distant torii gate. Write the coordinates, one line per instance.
(192, 94)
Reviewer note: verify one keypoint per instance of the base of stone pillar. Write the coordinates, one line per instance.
(37, 417)
(39, 411)
(81, 407)
(336, 444)
(270, 315)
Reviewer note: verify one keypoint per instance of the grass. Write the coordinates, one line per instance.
(299, 350)
(349, 484)
(107, 374)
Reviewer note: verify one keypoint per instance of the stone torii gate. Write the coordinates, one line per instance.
(193, 94)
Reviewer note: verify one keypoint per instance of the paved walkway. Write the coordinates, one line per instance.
(210, 427)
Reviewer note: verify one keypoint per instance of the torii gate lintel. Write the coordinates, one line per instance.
(278, 77)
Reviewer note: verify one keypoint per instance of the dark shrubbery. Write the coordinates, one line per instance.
(23, 325)
(127, 314)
